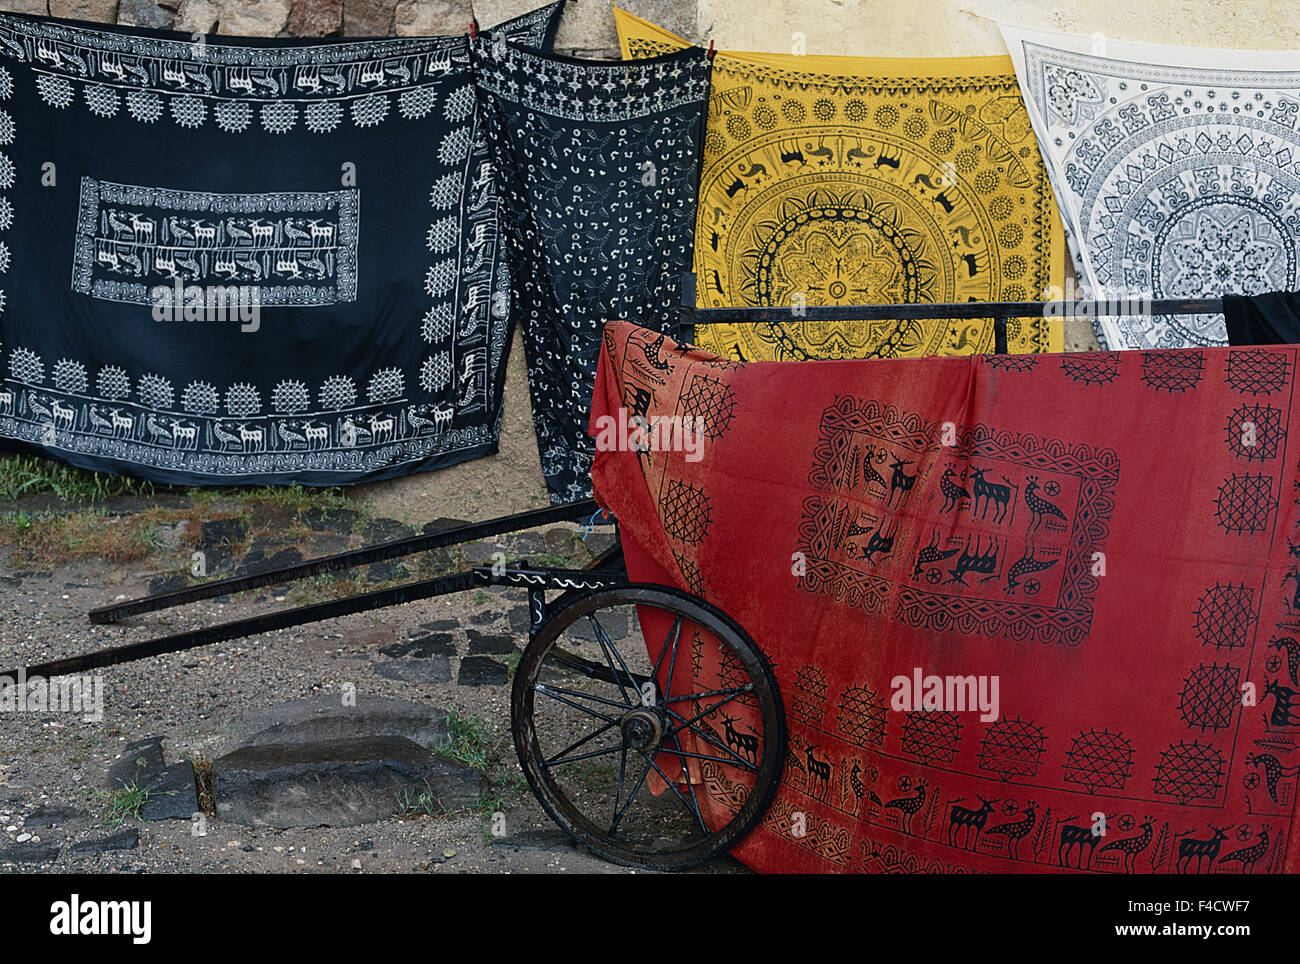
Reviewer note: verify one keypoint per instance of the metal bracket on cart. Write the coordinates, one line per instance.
(538, 582)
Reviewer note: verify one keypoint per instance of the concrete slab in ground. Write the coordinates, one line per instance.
(339, 783)
(172, 793)
(482, 671)
(325, 718)
(50, 816)
(435, 670)
(28, 854)
(122, 840)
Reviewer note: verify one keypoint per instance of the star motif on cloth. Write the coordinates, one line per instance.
(1224, 256)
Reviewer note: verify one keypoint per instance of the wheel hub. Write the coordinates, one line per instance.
(641, 728)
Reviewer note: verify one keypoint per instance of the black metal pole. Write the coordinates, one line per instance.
(606, 569)
(686, 324)
(282, 619)
(347, 560)
(971, 309)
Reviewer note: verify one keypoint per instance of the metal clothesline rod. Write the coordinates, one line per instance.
(999, 311)
(971, 309)
(442, 538)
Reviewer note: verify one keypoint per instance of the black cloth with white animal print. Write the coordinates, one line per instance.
(233, 261)
(599, 165)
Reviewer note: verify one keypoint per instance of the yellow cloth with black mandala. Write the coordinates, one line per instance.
(852, 181)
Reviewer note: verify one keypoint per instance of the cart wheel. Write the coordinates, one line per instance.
(649, 726)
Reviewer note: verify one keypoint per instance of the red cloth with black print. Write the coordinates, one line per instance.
(1111, 537)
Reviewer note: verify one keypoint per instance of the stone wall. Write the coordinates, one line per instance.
(587, 29)
(512, 481)
(267, 18)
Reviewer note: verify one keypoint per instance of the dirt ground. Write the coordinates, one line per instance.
(194, 699)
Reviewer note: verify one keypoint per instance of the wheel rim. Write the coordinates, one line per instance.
(648, 725)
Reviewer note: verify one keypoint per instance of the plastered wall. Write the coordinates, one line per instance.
(948, 28)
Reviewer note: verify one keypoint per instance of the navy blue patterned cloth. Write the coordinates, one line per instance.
(1272, 318)
(598, 165)
(236, 261)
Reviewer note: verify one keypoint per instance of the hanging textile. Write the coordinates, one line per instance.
(534, 30)
(1177, 169)
(849, 181)
(597, 163)
(247, 261)
(995, 611)
(1268, 319)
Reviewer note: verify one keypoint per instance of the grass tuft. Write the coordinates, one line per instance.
(471, 743)
(127, 802)
(55, 538)
(31, 475)
(412, 805)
